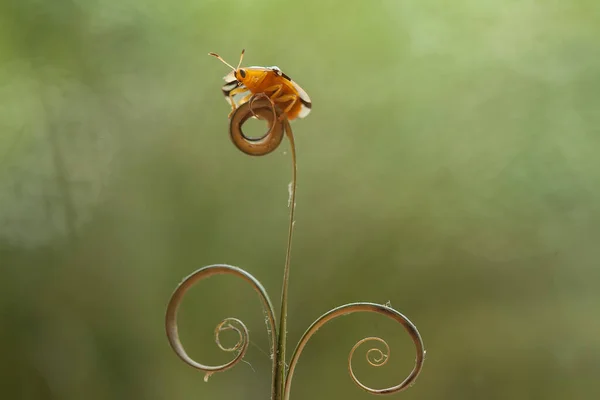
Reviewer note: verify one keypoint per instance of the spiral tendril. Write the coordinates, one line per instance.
(380, 359)
(227, 324)
(375, 357)
(260, 107)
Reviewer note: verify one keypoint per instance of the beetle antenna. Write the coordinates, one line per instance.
(241, 58)
(223, 61)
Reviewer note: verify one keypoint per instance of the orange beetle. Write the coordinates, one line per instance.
(242, 83)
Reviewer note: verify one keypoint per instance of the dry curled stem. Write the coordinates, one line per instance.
(375, 357)
(261, 108)
(227, 324)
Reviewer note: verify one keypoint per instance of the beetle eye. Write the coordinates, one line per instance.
(242, 73)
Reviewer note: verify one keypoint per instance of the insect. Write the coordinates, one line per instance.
(242, 83)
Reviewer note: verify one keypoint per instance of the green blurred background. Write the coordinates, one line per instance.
(450, 165)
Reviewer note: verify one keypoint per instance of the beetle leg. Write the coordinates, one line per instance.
(279, 97)
(246, 98)
(292, 98)
(276, 89)
(233, 93)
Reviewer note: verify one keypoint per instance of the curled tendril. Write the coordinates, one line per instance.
(375, 356)
(227, 324)
(261, 107)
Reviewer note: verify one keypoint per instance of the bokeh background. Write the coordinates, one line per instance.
(450, 166)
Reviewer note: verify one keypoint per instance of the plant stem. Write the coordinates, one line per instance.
(282, 338)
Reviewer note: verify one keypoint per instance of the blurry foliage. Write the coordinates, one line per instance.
(450, 165)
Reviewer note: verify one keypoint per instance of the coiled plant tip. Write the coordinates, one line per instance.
(262, 107)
